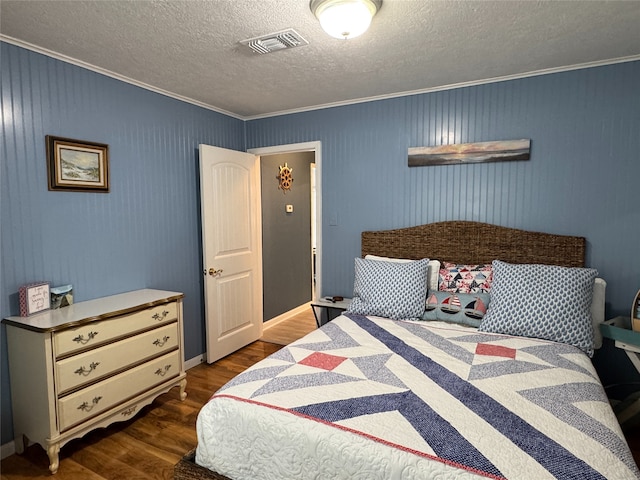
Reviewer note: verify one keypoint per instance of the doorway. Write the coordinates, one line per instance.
(284, 297)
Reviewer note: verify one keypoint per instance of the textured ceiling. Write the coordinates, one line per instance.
(190, 48)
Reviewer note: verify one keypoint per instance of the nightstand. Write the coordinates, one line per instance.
(325, 310)
(619, 330)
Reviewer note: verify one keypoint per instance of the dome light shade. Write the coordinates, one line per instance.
(345, 19)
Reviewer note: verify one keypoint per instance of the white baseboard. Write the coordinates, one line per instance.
(7, 449)
(286, 316)
(265, 326)
(193, 362)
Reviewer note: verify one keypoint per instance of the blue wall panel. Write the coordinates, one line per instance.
(145, 233)
(582, 178)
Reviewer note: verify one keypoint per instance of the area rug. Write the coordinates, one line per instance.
(187, 469)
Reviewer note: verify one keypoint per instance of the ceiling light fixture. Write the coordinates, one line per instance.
(345, 18)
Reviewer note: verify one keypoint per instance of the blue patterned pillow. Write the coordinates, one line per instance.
(463, 308)
(542, 301)
(391, 290)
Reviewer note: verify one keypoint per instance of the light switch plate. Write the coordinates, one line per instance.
(289, 208)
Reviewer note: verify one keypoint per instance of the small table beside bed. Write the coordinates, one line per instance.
(464, 354)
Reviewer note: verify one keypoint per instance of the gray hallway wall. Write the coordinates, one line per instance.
(286, 237)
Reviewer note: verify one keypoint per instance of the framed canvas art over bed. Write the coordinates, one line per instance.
(491, 379)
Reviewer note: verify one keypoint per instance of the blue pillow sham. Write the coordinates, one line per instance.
(389, 289)
(542, 301)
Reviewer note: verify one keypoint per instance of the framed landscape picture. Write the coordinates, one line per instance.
(76, 165)
(479, 152)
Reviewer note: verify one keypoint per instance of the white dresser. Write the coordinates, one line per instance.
(92, 364)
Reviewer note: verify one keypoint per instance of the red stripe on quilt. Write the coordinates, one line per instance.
(362, 434)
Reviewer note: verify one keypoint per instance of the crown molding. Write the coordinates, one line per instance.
(117, 76)
(452, 86)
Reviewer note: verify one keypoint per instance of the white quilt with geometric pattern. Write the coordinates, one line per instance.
(368, 397)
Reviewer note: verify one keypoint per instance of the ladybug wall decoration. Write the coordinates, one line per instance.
(286, 177)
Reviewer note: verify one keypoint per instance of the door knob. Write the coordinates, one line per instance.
(213, 272)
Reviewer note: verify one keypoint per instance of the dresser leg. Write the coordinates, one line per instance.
(53, 451)
(183, 386)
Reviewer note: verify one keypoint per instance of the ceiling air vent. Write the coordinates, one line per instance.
(275, 41)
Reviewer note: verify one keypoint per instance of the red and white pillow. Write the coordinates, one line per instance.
(458, 278)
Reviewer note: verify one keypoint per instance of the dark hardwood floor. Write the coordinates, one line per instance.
(146, 447)
(149, 445)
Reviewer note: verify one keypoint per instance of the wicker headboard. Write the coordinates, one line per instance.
(474, 242)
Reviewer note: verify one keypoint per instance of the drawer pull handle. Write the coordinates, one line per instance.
(160, 316)
(160, 343)
(163, 371)
(86, 407)
(129, 411)
(84, 341)
(84, 371)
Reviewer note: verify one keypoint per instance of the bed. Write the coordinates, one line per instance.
(473, 385)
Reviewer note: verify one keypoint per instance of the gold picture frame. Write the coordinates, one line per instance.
(77, 165)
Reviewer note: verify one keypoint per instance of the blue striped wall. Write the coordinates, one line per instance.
(583, 177)
(145, 233)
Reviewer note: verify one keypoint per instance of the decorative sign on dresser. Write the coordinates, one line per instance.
(635, 313)
(91, 364)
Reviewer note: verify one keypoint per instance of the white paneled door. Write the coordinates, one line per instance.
(232, 245)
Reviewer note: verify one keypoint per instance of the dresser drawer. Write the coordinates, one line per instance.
(89, 402)
(87, 367)
(98, 333)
